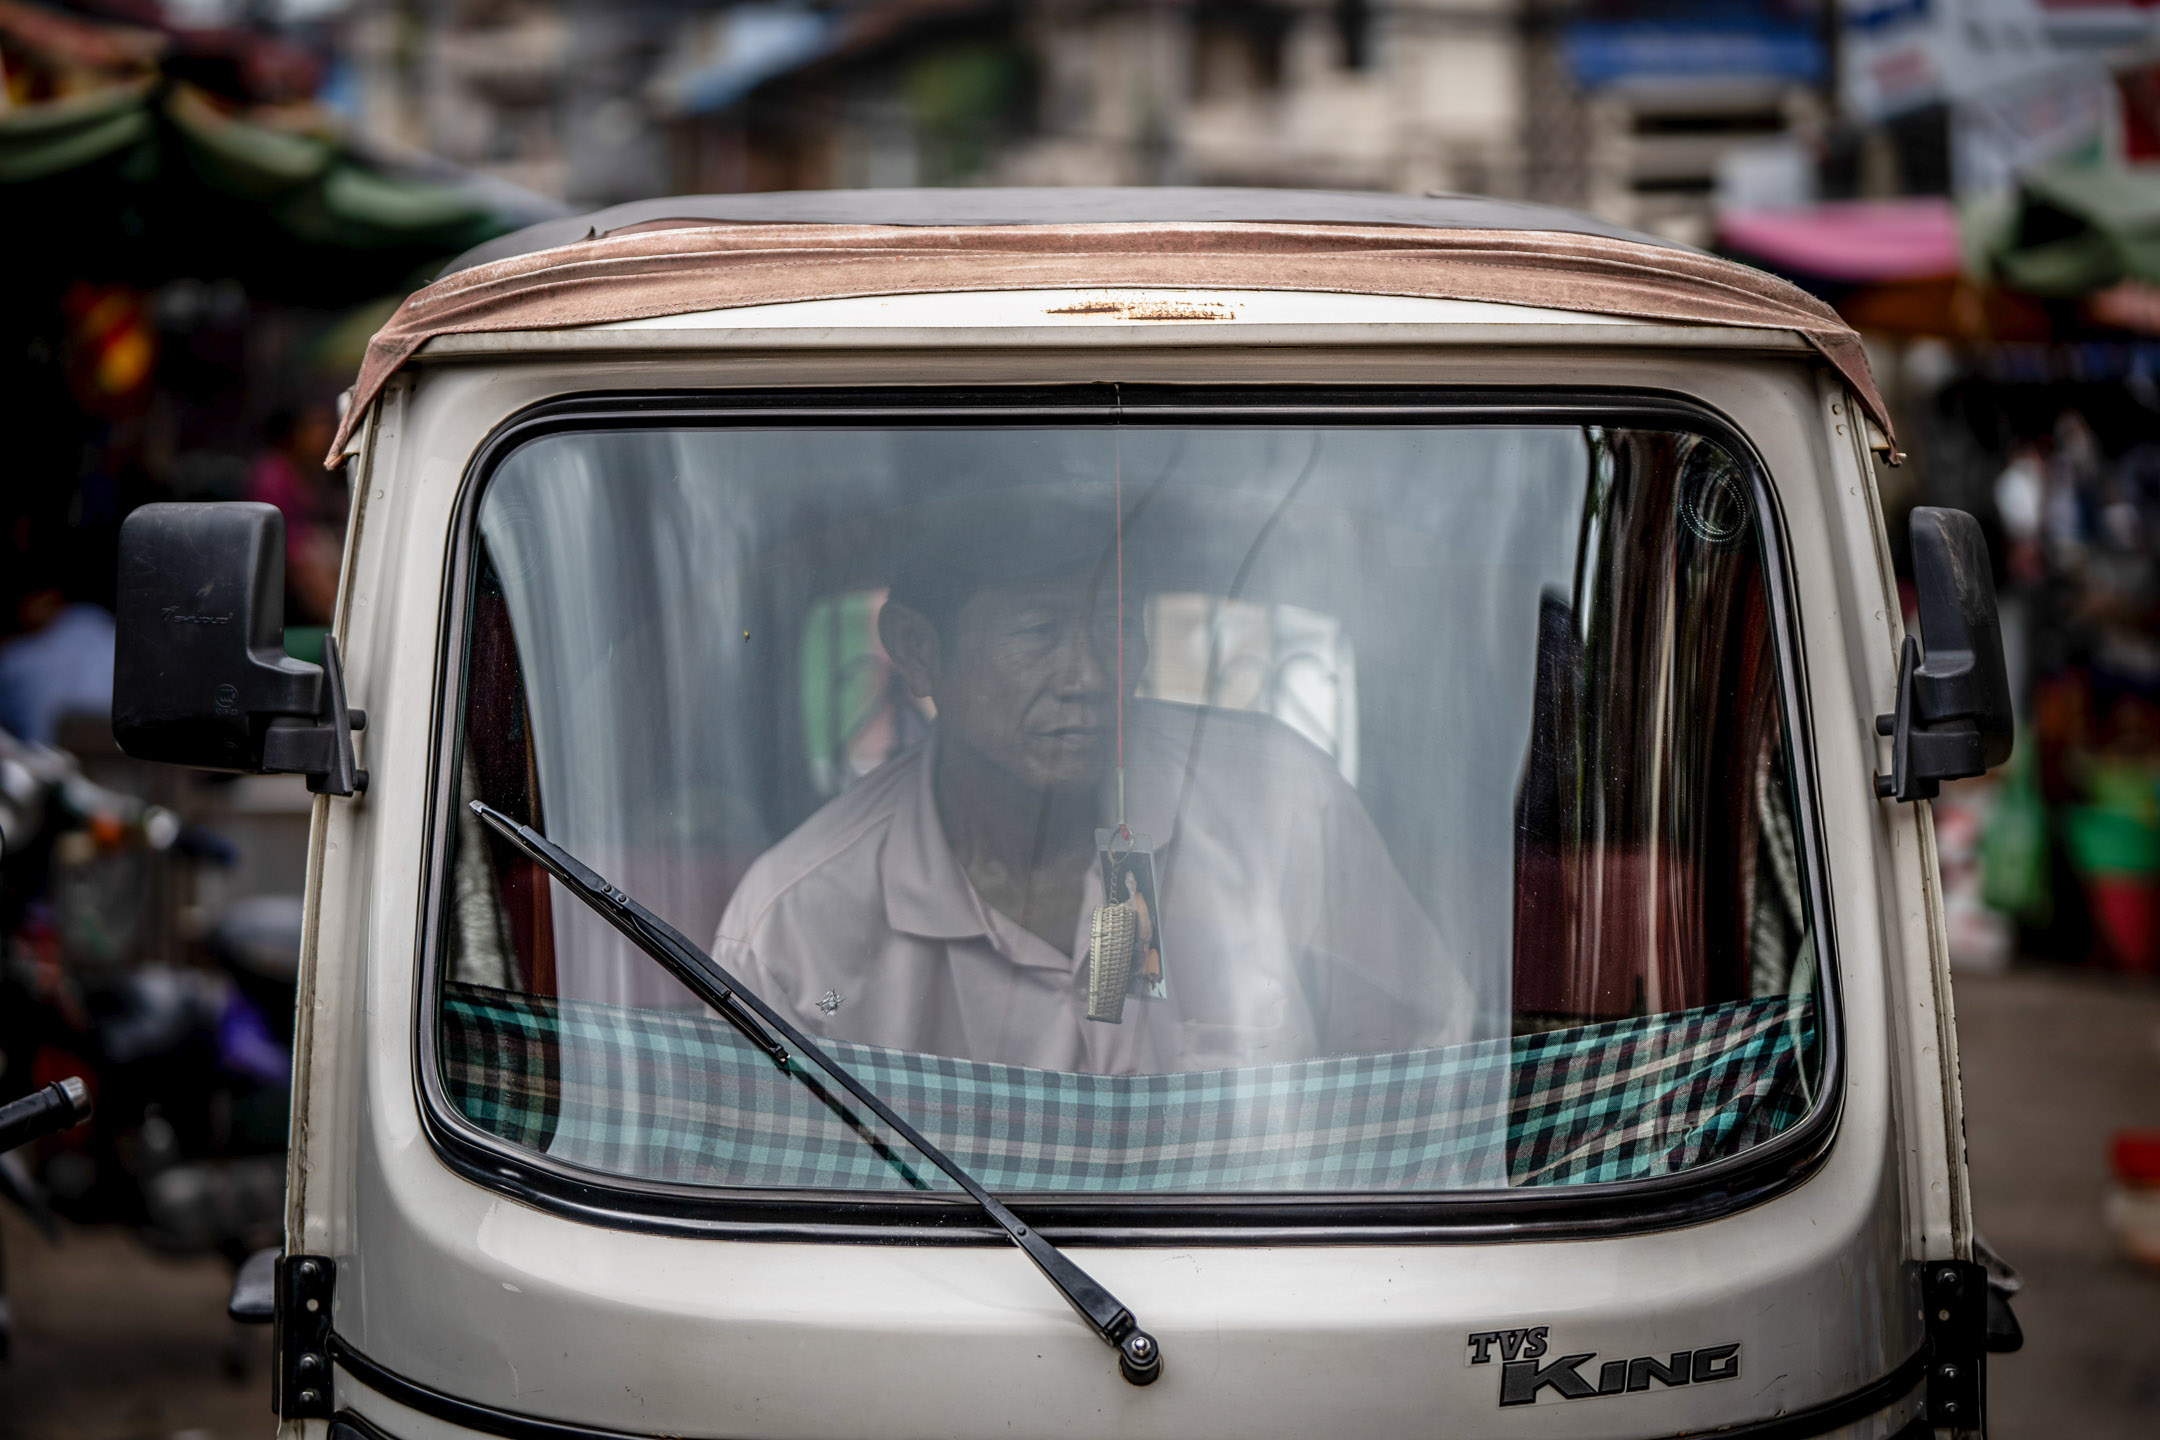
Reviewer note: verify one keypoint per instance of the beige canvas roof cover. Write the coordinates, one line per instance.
(672, 265)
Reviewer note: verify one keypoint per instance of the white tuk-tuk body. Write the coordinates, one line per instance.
(472, 1293)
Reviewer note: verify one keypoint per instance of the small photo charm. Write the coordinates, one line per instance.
(1128, 875)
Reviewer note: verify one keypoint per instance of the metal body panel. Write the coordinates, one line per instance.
(391, 1419)
(610, 341)
(1908, 885)
(1119, 307)
(464, 1290)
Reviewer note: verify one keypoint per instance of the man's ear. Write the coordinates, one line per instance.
(911, 643)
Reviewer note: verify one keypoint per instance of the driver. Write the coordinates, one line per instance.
(942, 903)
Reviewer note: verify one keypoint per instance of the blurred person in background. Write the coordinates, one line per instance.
(2021, 502)
(287, 472)
(59, 663)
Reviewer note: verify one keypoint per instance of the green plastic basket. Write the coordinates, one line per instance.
(2108, 842)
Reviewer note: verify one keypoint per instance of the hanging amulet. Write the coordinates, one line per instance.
(1111, 937)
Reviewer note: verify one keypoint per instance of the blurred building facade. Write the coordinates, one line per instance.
(1973, 183)
(1626, 107)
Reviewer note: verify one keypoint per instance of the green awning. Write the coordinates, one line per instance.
(2078, 228)
(61, 135)
(243, 159)
(152, 180)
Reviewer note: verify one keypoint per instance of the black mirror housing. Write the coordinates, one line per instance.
(200, 673)
(1953, 716)
(199, 665)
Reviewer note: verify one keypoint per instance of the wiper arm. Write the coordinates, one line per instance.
(1139, 1357)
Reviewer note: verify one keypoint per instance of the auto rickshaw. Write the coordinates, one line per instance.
(1166, 813)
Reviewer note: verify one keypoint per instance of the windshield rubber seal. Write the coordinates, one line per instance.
(1604, 1209)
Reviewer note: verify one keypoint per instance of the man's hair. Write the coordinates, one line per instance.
(949, 548)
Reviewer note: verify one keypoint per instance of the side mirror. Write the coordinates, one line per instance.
(200, 673)
(1953, 698)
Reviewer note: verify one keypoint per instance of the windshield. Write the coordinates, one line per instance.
(1136, 807)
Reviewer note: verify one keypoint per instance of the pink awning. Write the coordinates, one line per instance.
(1851, 240)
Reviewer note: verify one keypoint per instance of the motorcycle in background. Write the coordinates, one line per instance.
(189, 1066)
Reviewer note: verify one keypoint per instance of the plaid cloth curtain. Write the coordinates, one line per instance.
(676, 1095)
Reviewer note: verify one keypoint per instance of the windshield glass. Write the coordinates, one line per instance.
(1340, 807)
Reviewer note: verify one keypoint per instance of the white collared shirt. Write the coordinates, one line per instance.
(1288, 932)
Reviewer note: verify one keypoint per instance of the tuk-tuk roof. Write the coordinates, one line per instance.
(1043, 205)
(684, 255)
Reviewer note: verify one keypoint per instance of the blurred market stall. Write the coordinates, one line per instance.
(198, 252)
(2015, 325)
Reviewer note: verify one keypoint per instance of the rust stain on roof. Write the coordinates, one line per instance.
(1146, 309)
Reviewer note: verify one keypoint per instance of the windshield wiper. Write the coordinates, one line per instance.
(1139, 1357)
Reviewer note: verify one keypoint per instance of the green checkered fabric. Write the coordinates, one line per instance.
(677, 1096)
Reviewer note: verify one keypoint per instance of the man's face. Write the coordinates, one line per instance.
(1029, 680)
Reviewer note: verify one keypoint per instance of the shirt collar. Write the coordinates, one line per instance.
(927, 893)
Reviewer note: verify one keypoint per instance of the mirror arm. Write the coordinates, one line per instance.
(1922, 755)
(1944, 687)
(322, 748)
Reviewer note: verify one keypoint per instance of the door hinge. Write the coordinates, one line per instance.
(1955, 1292)
(300, 1380)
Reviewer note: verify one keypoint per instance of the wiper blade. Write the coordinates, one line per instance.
(1139, 1357)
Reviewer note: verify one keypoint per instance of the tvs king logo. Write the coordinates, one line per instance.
(1523, 1380)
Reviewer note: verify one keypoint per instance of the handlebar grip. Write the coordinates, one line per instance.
(58, 1106)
